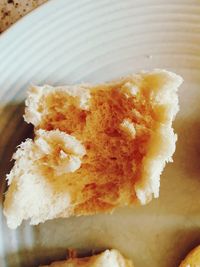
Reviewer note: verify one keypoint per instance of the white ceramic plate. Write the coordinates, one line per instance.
(68, 41)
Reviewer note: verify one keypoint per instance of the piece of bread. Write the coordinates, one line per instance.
(96, 147)
(192, 259)
(108, 258)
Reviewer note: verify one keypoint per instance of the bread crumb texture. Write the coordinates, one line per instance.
(96, 147)
(108, 258)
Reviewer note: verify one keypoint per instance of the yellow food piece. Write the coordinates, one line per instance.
(108, 258)
(192, 259)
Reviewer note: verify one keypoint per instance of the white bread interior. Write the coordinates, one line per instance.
(76, 164)
(108, 258)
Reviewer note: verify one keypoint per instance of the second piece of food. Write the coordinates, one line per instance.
(96, 147)
(108, 258)
(192, 259)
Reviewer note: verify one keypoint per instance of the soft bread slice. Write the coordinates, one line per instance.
(108, 258)
(192, 259)
(96, 147)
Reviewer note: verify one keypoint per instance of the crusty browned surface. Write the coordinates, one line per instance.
(13, 10)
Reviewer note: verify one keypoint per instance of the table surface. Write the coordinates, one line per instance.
(13, 10)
